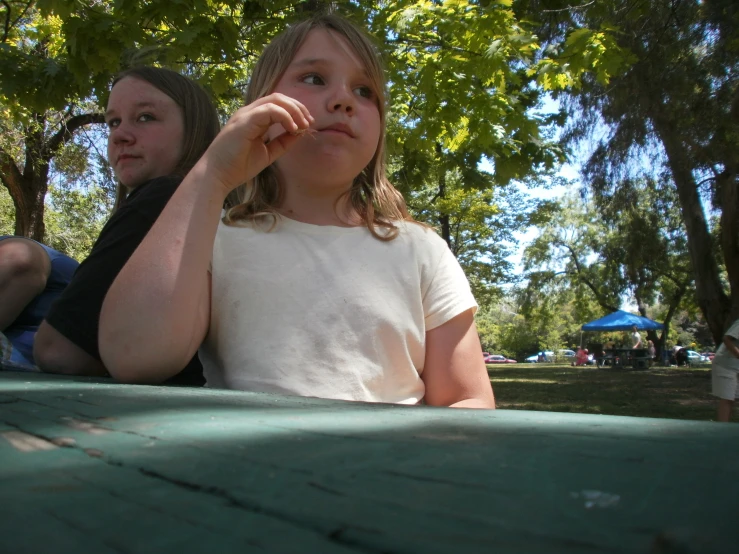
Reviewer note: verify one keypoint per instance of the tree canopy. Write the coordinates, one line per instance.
(463, 76)
(674, 112)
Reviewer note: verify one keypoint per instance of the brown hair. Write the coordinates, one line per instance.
(201, 124)
(372, 195)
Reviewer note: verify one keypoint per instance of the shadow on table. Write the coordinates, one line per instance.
(138, 462)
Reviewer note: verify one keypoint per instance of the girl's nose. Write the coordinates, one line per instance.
(120, 134)
(342, 100)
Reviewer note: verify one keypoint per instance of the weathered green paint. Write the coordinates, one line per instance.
(121, 468)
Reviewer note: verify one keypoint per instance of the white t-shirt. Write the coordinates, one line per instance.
(723, 356)
(328, 311)
(635, 339)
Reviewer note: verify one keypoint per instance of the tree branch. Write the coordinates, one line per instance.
(6, 32)
(675, 303)
(67, 131)
(23, 13)
(570, 8)
(580, 275)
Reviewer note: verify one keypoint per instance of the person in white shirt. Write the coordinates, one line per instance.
(724, 370)
(635, 338)
(315, 281)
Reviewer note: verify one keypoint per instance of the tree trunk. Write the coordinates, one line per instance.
(728, 195)
(29, 213)
(29, 216)
(446, 228)
(28, 188)
(713, 301)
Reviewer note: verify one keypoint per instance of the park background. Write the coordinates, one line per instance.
(577, 157)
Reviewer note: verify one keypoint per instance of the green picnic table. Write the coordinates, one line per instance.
(87, 465)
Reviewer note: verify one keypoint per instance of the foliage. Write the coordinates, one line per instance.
(76, 219)
(630, 244)
(554, 314)
(673, 111)
(566, 254)
(480, 225)
(7, 213)
(503, 331)
(517, 327)
(464, 76)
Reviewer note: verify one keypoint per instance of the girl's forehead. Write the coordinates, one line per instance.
(324, 45)
(131, 91)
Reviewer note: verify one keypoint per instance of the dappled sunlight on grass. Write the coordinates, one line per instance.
(540, 381)
(556, 407)
(681, 393)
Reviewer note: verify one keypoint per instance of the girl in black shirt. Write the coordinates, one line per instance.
(160, 125)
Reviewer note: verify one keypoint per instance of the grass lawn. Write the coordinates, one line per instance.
(678, 393)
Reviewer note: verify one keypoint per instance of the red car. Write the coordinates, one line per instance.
(498, 359)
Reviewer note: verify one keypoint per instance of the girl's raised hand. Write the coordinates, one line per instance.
(241, 150)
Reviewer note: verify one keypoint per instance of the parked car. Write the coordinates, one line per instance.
(548, 356)
(498, 359)
(695, 358)
(709, 355)
(566, 353)
(563, 354)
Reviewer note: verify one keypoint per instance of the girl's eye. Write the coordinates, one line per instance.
(365, 92)
(145, 117)
(113, 123)
(313, 79)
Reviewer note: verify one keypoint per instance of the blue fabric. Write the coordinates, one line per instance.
(622, 321)
(22, 331)
(11, 359)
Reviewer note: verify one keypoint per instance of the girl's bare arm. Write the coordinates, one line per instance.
(455, 373)
(157, 311)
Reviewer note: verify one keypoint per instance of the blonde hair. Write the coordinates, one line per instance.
(371, 195)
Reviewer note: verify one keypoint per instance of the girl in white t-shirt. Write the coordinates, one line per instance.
(315, 281)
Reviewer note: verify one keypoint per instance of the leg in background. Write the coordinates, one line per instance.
(24, 269)
(724, 410)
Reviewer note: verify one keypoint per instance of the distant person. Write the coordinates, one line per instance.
(635, 338)
(681, 357)
(581, 357)
(607, 354)
(160, 123)
(673, 353)
(724, 368)
(651, 351)
(32, 276)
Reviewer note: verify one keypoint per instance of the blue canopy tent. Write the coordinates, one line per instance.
(622, 321)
